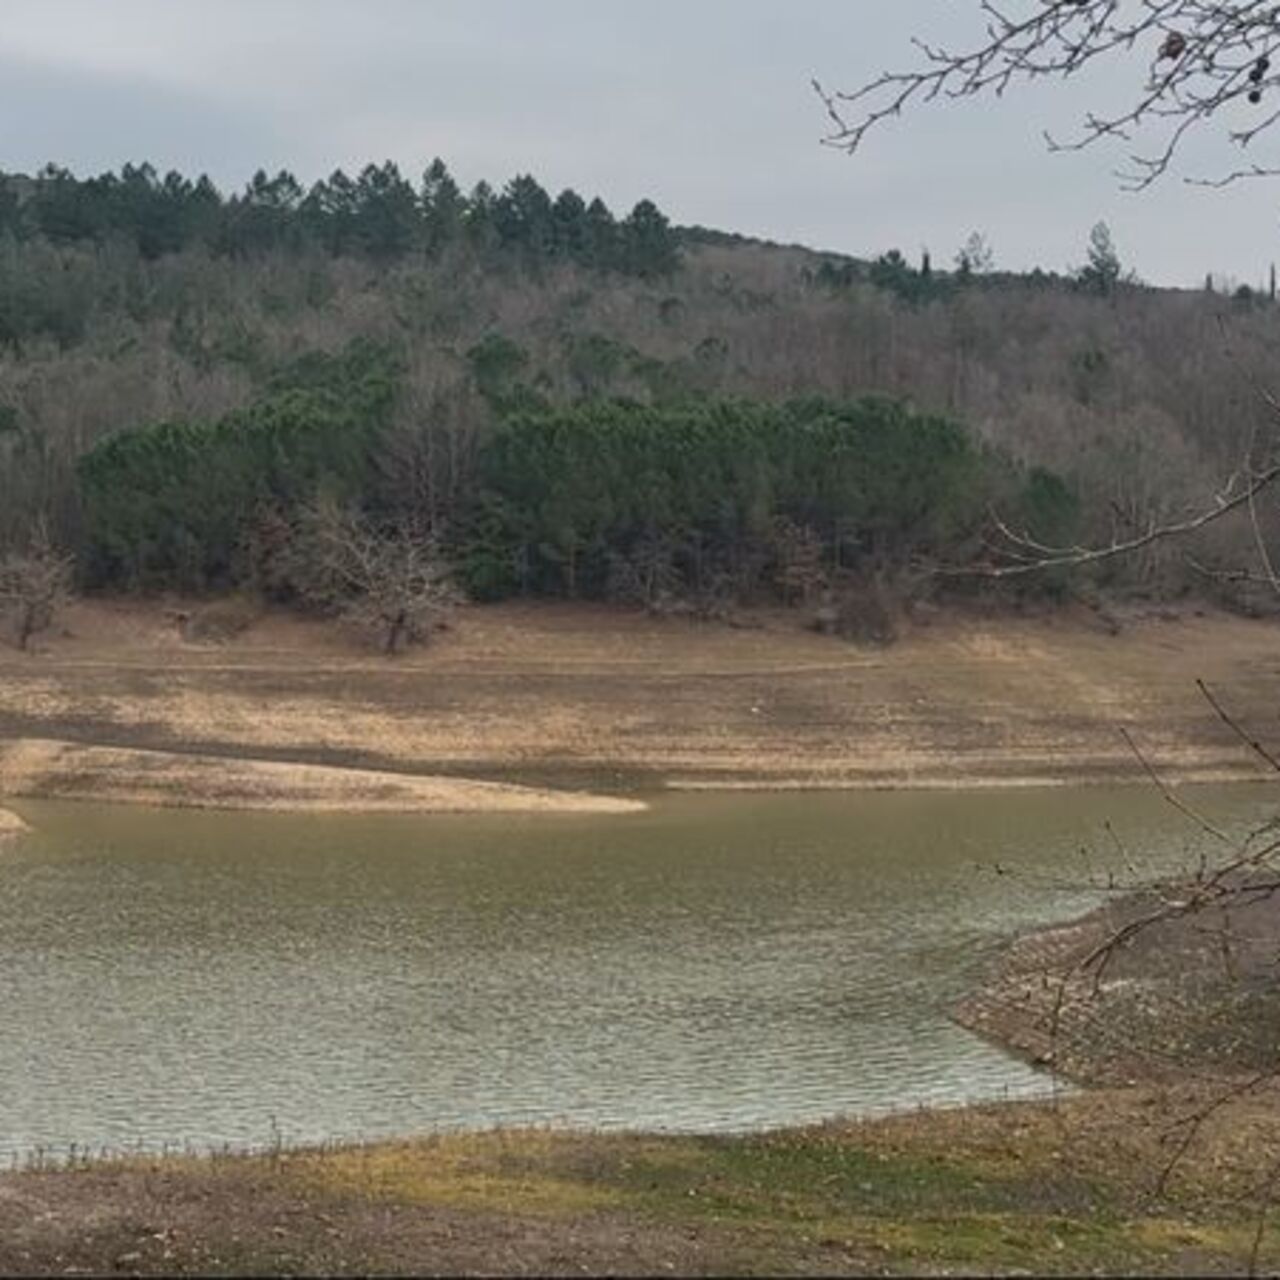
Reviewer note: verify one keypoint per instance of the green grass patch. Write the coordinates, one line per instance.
(890, 1197)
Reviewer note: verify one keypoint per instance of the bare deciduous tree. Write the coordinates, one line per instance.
(34, 583)
(1204, 60)
(1022, 554)
(1201, 57)
(390, 583)
(976, 256)
(646, 576)
(1193, 59)
(798, 568)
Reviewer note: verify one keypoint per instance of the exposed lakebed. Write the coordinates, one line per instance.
(715, 963)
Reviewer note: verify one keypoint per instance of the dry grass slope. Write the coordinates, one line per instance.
(608, 699)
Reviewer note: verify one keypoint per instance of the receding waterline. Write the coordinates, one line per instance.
(719, 963)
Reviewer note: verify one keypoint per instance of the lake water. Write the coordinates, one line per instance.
(718, 963)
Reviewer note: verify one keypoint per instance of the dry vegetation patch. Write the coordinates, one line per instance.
(1065, 1188)
(527, 692)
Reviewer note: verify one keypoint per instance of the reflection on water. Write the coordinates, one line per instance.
(716, 963)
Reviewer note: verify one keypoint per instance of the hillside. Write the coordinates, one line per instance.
(1142, 400)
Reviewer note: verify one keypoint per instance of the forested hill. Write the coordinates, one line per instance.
(379, 215)
(446, 344)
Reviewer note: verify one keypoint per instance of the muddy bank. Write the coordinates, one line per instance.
(47, 769)
(1190, 996)
(601, 698)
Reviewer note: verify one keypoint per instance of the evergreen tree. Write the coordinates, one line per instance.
(378, 215)
(648, 247)
(385, 214)
(264, 217)
(569, 218)
(1101, 272)
(329, 212)
(523, 217)
(10, 211)
(443, 207)
(480, 221)
(602, 247)
(147, 211)
(65, 210)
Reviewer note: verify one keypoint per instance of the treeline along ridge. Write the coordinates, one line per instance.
(570, 403)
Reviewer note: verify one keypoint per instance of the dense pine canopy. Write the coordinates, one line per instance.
(580, 501)
(379, 214)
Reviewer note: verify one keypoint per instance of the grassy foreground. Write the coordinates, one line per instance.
(1064, 1188)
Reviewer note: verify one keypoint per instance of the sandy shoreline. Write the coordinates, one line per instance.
(1184, 996)
(974, 780)
(10, 825)
(47, 769)
(556, 700)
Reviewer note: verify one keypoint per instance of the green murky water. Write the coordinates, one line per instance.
(721, 962)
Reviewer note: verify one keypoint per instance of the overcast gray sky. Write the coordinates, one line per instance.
(703, 105)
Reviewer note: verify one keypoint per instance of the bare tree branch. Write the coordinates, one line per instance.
(392, 583)
(1248, 739)
(1200, 60)
(1032, 556)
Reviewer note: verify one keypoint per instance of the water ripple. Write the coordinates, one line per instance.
(714, 965)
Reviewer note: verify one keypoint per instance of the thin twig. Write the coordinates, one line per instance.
(1251, 742)
(1169, 795)
(1074, 557)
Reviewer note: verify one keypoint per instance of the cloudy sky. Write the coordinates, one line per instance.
(703, 105)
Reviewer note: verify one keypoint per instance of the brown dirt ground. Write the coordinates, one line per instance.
(1066, 1188)
(1187, 996)
(576, 694)
(583, 695)
(167, 1220)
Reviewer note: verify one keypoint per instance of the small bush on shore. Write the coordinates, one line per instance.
(34, 584)
(220, 620)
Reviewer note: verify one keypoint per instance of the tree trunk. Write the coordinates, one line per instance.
(571, 571)
(395, 631)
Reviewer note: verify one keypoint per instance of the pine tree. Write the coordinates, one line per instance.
(1101, 273)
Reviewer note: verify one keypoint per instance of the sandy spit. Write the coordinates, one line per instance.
(10, 825)
(49, 769)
